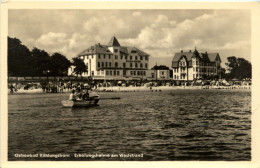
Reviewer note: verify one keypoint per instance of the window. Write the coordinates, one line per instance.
(121, 56)
(162, 73)
(104, 56)
(118, 73)
(144, 73)
(131, 72)
(146, 65)
(136, 65)
(146, 57)
(106, 64)
(92, 56)
(131, 64)
(136, 58)
(115, 50)
(193, 75)
(98, 56)
(98, 64)
(174, 76)
(141, 58)
(124, 65)
(116, 57)
(102, 64)
(116, 64)
(141, 65)
(130, 57)
(138, 73)
(126, 57)
(107, 72)
(92, 73)
(109, 56)
(133, 51)
(98, 72)
(134, 73)
(194, 69)
(110, 73)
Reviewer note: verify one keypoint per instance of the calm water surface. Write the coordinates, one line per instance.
(168, 125)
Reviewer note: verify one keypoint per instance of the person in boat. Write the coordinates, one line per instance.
(78, 95)
(72, 96)
(85, 95)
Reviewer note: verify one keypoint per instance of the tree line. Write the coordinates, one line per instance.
(37, 62)
(239, 68)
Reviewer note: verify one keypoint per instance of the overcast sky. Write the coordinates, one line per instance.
(160, 33)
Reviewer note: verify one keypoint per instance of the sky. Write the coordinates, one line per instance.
(160, 33)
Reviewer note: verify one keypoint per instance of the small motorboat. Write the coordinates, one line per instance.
(91, 101)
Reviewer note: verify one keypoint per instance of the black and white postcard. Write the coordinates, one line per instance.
(143, 84)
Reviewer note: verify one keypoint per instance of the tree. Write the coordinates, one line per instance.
(239, 68)
(80, 66)
(19, 58)
(59, 65)
(41, 61)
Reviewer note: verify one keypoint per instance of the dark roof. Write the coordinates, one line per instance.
(160, 67)
(103, 49)
(96, 49)
(113, 42)
(177, 56)
(204, 57)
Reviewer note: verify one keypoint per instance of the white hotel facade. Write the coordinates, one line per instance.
(114, 61)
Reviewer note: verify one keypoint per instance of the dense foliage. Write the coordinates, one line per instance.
(23, 62)
(80, 66)
(239, 68)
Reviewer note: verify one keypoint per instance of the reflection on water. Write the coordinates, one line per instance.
(170, 125)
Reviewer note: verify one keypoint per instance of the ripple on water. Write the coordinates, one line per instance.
(174, 125)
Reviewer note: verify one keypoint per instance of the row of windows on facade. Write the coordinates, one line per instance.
(184, 76)
(182, 63)
(116, 57)
(117, 73)
(176, 70)
(109, 64)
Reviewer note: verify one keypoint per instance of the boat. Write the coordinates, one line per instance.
(91, 101)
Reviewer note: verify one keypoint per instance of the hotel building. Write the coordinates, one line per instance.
(194, 65)
(113, 61)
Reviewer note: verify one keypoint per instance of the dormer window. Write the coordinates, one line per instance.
(115, 50)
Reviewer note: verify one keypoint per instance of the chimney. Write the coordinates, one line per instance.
(190, 51)
(206, 52)
(181, 51)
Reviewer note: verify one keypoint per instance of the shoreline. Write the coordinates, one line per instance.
(143, 89)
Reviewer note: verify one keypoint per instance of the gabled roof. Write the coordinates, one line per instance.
(113, 42)
(212, 56)
(177, 56)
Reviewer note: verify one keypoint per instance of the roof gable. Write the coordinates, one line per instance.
(113, 42)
